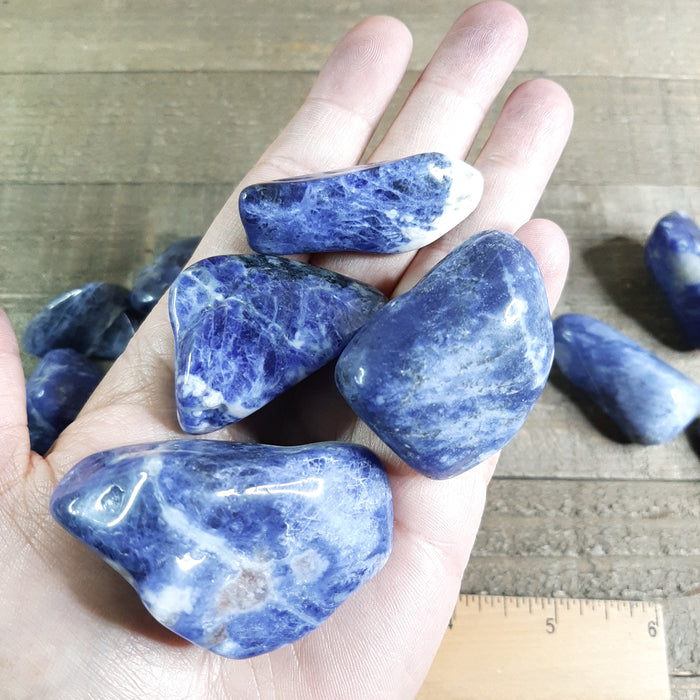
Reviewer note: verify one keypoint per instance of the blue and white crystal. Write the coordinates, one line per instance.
(447, 373)
(672, 253)
(93, 320)
(239, 548)
(247, 327)
(649, 400)
(377, 208)
(56, 392)
(153, 280)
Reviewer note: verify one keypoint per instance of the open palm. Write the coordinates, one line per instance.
(71, 627)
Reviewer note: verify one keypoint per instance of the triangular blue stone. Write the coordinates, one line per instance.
(247, 327)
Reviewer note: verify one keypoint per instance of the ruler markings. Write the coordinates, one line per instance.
(540, 648)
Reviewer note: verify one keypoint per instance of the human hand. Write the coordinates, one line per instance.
(72, 626)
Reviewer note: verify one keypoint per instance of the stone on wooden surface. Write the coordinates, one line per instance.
(247, 327)
(649, 400)
(672, 252)
(239, 548)
(377, 208)
(92, 320)
(154, 279)
(447, 373)
(58, 388)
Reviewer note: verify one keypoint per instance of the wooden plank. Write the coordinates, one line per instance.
(55, 234)
(682, 617)
(631, 37)
(212, 127)
(685, 687)
(591, 520)
(57, 237)
(617, 539)
(141, 127)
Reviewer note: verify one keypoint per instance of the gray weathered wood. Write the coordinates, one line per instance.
(58, 237)
(596, 539)
(685, 687)
(153, 127)
(632, 37)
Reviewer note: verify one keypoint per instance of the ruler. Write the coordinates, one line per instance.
(512, 648)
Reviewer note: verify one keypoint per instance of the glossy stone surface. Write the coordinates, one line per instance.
(378, 208)
(447, 373)
(648, 399)
(239, 548)
(58, 388)
(153, 280)
(247, 327)
(92, 320)
(672, 253)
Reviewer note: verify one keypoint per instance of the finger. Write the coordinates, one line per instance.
(334, 125)
(517, 162)
(548, 244)
(445, 109)
(449, 102)
(14, 435)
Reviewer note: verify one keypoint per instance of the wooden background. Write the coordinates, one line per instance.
(125, 124)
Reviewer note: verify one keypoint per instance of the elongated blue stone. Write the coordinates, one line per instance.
(648, 399)
(247, 327)
(58, 388)
(447, 373)
(378, 208)
(672, 253)
(239, 548)
(154, 279)
(92, 320)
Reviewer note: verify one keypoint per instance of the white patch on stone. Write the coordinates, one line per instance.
(167, 604)
(686, 270)
(187, 562)
(308, 566)
(209, 398)
(514, 311)
(464, 196)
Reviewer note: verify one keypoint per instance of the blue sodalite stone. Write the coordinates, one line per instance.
(92, 320)
(58, 388)
(154, 279)
(247, 327)
(447, 373)
(672, 252)
(378, 208)
(648, 399)
(239, 548)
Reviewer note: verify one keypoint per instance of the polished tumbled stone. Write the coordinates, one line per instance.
(447, 373)
(58, 388)
(378, 208)
(154, 279)
(92, 320)
(247, 327)
(649, 400)
(239, 548)
(672, 252)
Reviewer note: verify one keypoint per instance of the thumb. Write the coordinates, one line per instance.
(14, 434)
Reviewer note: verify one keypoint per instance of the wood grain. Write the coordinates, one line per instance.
(630, 38)
(174, 127)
